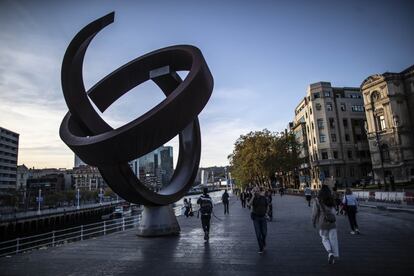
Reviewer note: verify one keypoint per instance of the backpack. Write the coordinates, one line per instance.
(260, 206)
(206, 206)
(328, 217)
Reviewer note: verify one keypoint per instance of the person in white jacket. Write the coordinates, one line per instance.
(323, 217)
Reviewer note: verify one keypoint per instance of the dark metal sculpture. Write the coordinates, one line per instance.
(98, 144)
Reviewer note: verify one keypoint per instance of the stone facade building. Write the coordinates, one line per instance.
(389, 105)
(336, 148)
(87, 178)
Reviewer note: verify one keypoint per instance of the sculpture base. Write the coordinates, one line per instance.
(158, 221)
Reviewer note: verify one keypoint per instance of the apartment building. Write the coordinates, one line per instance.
(332, 121)
(9, 146)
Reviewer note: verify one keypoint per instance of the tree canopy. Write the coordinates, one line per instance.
(259, 155)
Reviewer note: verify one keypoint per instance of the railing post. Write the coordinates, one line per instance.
(53, 238)
(81, 232)
(17, 245)
(123, 223)
(104, 230)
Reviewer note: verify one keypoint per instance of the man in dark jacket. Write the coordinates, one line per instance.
(225, 200)
(259, 206)
(206, 208)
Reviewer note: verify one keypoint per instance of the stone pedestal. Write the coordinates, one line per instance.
(158, 221)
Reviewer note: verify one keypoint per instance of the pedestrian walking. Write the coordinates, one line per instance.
(259, 206)
(206, 208)
(270, 206)
(225, 200)
(186, 208)
(281, 191)
(243, 199)
(190, 205)
(337, 199)
(324, 218)
(308, 195)
(350, 203)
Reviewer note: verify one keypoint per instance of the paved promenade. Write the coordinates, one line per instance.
(385, 247)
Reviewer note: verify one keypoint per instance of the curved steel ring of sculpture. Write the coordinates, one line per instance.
(98, 144)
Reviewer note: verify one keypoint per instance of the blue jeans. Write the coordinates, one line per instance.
(260, 227)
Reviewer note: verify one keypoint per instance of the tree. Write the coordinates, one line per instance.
(258, 155)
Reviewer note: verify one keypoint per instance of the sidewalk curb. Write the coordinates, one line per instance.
(388, 208)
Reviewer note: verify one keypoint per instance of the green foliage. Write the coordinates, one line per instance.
(258, 155)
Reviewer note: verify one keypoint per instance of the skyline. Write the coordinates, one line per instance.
(262, 56)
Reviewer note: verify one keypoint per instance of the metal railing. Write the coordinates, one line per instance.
(77, 233)
(54, 211)
(83, 232)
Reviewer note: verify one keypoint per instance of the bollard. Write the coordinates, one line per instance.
(81, 233)
(53, 238)
(123, 223)
(104, 230)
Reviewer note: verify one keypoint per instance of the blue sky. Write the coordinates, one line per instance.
(263, 55)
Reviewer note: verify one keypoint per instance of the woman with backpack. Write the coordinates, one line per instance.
(323, 216)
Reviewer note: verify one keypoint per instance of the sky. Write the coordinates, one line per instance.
(262, 54)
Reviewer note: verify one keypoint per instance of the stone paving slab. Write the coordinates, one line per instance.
(385, 247)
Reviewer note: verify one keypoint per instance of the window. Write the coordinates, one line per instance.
(347, 137)
(345, 122)
(331, 123)
(349, 154)
(329, 106)
(306, 114)
(335, 154)
(326, 93)
(338, 95)
(358, 137)
(338, 171)
(326, 172)
(352, 171)
(316, 95)
(322, 138)
(320, 123)
(354, 95)
(381, 120)
(385, 152)
(314, 140)
(310, 110)
(343, 107)
(357, 108)
(313, 127)
(333, 137)
(309, 142)
(324, 155)
(318, 106)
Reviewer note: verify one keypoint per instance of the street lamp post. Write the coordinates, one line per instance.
(78, 198)
(39, 199)
(378, 144)
(100, 196)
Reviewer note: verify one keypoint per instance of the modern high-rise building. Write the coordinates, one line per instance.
(329, 123)
(154, 169)
(389, 105)
(9, 145)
